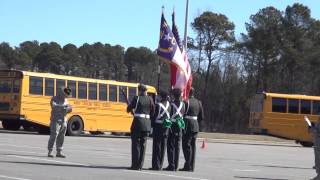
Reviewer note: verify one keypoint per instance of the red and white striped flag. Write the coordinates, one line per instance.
(181, 77)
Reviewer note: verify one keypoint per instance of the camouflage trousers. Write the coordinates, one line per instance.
(58, 130)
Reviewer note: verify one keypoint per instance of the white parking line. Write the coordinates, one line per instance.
(10, 177)
(70, 148)
(86, 165)
(109, 154)
(15, 151)
(168, 175)
(246, 170)
(49, 160)
(31, 147)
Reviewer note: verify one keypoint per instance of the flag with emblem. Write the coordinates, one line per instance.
(168, 48)
(180, 79)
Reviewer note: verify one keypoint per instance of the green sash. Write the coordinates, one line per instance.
(180, 123)
(167, 123)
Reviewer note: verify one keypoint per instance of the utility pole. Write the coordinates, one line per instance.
(186, 26)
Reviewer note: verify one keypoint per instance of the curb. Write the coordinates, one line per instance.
(249, 142)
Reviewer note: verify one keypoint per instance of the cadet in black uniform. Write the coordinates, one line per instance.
(142, 107)
(160, 127)
(193, 116)
(175, 132)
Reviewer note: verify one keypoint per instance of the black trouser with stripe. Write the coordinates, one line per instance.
(173, 150)
(160, 138)
(138, 148)
(189, 149)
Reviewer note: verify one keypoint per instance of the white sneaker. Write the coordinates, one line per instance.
(50, 154)
(60, 155)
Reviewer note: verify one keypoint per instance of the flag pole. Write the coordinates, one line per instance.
(186, 25)
(159, 73)
(159, 65)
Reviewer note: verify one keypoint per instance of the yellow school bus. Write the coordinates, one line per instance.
(98, 105)
(282, 115)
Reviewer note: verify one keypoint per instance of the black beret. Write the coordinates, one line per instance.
(142, 87)
(67, 91)
(163, 94)
(176, 92)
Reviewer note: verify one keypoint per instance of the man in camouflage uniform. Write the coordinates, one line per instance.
(315, 130)
(175, 132)
(193, 116)
(142, 107)
(58, 122)
(160, 130)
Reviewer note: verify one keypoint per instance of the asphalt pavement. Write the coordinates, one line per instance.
(23, 156)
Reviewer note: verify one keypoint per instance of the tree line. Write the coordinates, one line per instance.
(280, 52)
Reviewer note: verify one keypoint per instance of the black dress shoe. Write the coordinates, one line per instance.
(169, 169)
(185, 169)
(154, 169)
(134, 168)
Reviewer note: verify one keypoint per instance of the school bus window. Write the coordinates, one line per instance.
(305, 107)
(122, 98)
(5, 86)
(35, 85)
(293, 106)
(49, 87)
(102, 92)
(279, 105)
(82, 90)
(72, 86)
(93, 91)
(113, 93)
(16, 86)
(132, 93)
(60, 83)
(316, 108)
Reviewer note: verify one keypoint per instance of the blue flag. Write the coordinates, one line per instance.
(168, 47)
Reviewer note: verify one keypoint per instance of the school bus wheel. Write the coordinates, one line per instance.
(75, 126)
(11, 125)
(306, 144)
